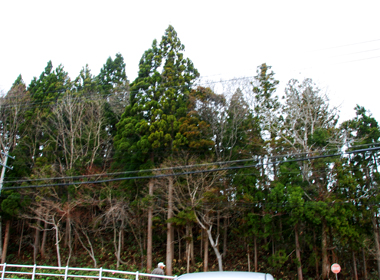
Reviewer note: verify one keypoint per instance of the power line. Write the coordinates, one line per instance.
(347, 45)
(355, 53)
(189, 172)
(257, 158)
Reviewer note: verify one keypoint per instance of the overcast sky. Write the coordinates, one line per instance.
(336, 43)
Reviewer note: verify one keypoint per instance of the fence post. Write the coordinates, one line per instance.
(2, 276)
(100, 273)
(34, 271)
(137, 275)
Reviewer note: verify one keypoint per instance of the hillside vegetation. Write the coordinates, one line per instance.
(201, 175)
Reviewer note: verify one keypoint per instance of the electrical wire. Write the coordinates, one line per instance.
(187, 173)
(347, 45)
(257, 158)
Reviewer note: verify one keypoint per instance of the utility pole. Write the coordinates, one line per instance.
(4, 165)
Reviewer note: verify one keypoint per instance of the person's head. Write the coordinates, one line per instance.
(161, 265)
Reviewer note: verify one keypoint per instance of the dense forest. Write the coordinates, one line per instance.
(99, 171)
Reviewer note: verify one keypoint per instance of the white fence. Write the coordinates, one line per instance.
(32, 272)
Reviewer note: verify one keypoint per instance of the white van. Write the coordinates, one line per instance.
(225, 275)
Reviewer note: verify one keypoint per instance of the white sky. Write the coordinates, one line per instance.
(322, 40)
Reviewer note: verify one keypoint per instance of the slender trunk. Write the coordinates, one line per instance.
(118, 252)
(201, 250)
(6, 240)
(298, 254)
(214, 245)
(57, 245)
(217, 225)
(316, 255)
(249, 261)
(20, 243)
(187, 249)
(354, 266)
(122, 238)
(43, 243)
(89, 250)
(364, 265)
(179, 245)
(325, 264)
(187, 257)
(225, 237)
(1, 187)
(149, 233)
(169, 234)
(67, 232)
(36, 241)
(1, 236)
(376, 239)
(192, 258)
(173, 242)
(205, 258)
(255, 245)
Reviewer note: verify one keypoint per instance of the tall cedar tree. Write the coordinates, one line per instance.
(365, 132)
(114, 86)
(33, 148)
(149, 130)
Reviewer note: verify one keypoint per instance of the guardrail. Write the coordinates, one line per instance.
(32, 272)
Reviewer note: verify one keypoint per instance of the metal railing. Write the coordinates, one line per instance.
(32, 272)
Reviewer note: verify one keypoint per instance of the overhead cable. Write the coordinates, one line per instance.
(189, 172)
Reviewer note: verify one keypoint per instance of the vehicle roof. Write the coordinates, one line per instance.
(224, 275)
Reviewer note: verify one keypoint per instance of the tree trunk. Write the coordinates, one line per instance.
(6, 240)
(364, 265)
(169, 234)
(255, 245)
(67, 232)
(202, 244)
(187, 249)
(187, 257)
(1, 236)
(298, 254)
(249, 261)
(70, 242)
(57, 245)
(121, 232)
(43, 243)
(179, 245)
(316, 255)
(325, 261)
(36, 241)
(22, 235)
(377, 245)
(205, 258)
(149, 233)
(225, 237)
(192, 257)
(173, 242)
(214, 245)
(218, 225)
(354, 266)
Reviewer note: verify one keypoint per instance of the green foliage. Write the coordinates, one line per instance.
(12, 203)
(277, 260)
(273, 194)
(150, 125)
(111, 75)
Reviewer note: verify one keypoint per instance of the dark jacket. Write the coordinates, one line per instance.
(158, 271)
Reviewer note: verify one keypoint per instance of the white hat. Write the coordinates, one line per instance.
(160, 264)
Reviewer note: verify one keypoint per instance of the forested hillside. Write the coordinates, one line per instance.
(200, 175)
